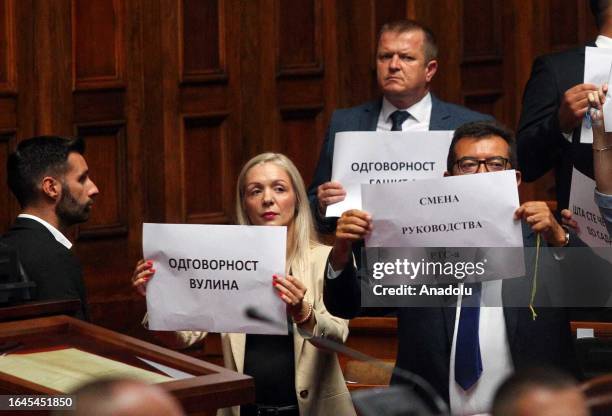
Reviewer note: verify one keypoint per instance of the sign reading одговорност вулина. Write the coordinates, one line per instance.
(207, 275)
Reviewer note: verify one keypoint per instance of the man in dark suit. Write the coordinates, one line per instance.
(49, 177)
(506, 338)
(405, 66)
(554, 105)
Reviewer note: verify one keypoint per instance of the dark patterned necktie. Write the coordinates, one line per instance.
(398, 117)
(468, 362)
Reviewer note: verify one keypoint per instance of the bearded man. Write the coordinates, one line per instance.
(50, 179)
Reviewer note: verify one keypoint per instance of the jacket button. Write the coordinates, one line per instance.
(304, 394)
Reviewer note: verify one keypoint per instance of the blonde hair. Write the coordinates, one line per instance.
(304, 235)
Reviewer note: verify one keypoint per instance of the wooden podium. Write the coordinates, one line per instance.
(212, 387)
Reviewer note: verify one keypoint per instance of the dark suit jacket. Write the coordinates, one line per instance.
(47, 262)
(444, 116)
(540, 144)
(425, 334)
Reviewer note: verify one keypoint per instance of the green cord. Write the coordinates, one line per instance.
(534, 287)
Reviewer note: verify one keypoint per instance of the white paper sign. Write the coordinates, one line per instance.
(597, 62)
(607, 107)
(591, 225)
(364, 157)
(207, 275)
(456, 211)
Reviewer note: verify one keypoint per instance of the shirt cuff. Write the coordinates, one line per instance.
(603, 200)
(331, 274)
(568, 136)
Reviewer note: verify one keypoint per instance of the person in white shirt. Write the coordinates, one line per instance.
(49, 177)
(406, 62)
(428, 337)
(555, 103)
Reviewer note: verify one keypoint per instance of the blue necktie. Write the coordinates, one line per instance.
(468, 362)
(397, 118)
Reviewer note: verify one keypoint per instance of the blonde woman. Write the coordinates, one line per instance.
(292, 376)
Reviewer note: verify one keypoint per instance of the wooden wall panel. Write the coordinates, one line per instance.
(388, 10)
(567, 18)
(356, 40)
(97, 44)
(8, 112)
(208, 196)
(304, 130)
(305, 89)
(106, 159)
(299, 37)
(201, 88)
(482, 80)
(202, 40)
(7, 142)
(481, 35)
(8, 62)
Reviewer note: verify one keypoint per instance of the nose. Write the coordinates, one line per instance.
(93, 190)
(482, 167)
(267, 197)
(394, 63)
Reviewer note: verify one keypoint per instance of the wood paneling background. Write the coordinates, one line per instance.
(173, 96)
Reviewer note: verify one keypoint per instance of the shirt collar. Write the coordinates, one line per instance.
(603, 42)
(419, 110)
(54, 231)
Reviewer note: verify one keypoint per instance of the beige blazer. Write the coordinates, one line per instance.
(319, 384)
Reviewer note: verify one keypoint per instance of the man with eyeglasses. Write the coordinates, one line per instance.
(505, 338)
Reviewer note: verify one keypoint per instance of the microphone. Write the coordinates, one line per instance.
(412, 378)
(253, 313)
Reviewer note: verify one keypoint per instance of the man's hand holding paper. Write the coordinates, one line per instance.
(457, 211)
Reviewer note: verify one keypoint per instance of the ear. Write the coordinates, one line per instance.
(51, 187)
(518, 177)
(430, 70)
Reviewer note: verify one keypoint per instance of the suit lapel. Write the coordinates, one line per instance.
(369, 120)
(439, 115)
(511, 316)
(238, 344)
(450, 313)
(518, 289)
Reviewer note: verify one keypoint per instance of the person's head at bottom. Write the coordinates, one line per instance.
(539, 392)
(122, 397)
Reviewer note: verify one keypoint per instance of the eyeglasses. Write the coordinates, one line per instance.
(492, 164)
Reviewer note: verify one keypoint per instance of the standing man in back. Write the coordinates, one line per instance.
(406, 62)
(555, 102)
(49, 177)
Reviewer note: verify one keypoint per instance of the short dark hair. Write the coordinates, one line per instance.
(526, 380)
(599, 8)
(35, 158)
(481, 130)
(430, 47)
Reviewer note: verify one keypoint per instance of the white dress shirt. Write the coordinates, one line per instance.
(494, 346)
(603, 42)
(61, 238)
(494, 352)
(420, 114)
